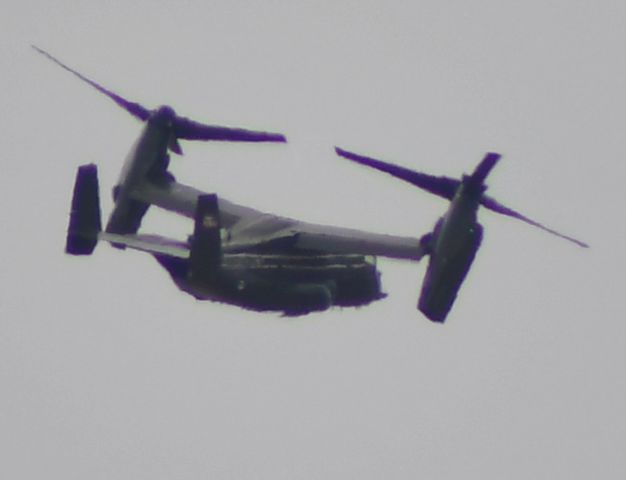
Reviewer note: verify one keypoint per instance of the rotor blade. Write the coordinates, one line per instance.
(485, 166)
(191, 130)
(133, 108)
(442, 186)
(495, 206)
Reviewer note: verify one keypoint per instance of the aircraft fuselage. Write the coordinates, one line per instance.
(292, 284)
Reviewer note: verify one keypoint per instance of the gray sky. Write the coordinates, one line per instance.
(108, 371)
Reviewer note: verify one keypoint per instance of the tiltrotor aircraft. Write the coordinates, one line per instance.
(263, 262)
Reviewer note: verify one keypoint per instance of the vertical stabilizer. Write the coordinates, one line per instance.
(206, 248)
(85, 222)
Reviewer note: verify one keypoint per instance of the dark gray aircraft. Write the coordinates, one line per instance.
(236, 254)
(457, 235)
(241, 256)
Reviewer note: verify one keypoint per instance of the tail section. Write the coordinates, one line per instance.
(85, 222)
(206, 246)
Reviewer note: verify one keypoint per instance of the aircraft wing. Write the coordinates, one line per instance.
(248, 228)
(183, 199)
(289, 234)
(333, 239)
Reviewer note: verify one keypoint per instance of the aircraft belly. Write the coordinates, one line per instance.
(295, 285)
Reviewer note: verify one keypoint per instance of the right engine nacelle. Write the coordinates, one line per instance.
(445, 275)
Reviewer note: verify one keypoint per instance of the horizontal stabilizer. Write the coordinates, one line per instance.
(154, 244)
(85, 222)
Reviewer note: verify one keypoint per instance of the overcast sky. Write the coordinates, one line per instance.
(108, 371)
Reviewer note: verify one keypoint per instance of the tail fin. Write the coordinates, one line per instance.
(85, 222)
(206, 247)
